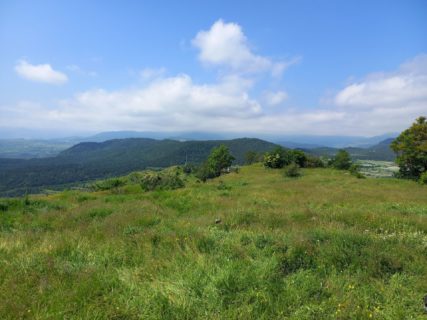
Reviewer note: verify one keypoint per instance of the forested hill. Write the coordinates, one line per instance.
(91, 160)
(380, 151)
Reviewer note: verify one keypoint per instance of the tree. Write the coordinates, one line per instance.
(218, 160)
(342, 160)
(275, 158)
(411, 149)
(280, 157)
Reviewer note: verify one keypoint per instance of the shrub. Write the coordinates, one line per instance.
(355, 171)
(279, 157)
(166, 180)
(108, 184)
(314, 162)
(292, 170)
(423, 178)
(205, 172)
(342, 160)
(188, 168)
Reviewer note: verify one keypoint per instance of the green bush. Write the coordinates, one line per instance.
(314, 162)
(423, 178)
(109, 184)
(292, 171)
(280, 157)
(166, 180)
(355, 171)
(342, 160)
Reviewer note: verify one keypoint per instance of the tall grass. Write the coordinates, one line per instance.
(324, 246)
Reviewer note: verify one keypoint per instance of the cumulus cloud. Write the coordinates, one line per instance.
(167, 104)
(384, 102)
(404, 87)
(40, 73)
(225, 44)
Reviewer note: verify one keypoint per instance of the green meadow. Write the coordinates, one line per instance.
(248, 245)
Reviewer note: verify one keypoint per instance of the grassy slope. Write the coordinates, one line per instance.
(324, 246)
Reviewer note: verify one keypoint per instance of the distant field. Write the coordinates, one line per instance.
(323, 246)
(378, 169)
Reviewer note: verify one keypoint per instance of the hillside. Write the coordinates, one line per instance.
(380, 151)
(91, 160)
(323, 246)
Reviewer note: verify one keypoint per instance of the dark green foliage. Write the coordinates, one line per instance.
(292, 170)
(411, 149)
(280, 157)
(188, 168)
(296, 156)
(91, 161)
(275, 159)
(423, 178)
(165, 180)
(314, 162)
(342, 160)
(219, 160)
(205, 172)
(253, 157)
(109, 184)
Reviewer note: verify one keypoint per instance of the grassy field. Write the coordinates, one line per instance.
(322, 246)
(378, 169)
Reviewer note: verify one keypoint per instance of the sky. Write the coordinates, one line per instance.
(260, 67)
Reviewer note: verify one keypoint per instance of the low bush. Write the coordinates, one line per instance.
(423, 178)
(292, 171)
(109, 184)
(164, 180)
(355, 171)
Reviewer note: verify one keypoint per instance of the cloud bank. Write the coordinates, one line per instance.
(378, 103)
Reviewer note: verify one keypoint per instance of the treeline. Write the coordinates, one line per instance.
(91, 161)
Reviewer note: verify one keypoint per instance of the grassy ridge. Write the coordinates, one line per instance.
(323, 246)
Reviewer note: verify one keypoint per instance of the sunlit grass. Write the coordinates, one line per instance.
(322, 246)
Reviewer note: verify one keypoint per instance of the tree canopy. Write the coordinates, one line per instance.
(411, 149)
(342, 160)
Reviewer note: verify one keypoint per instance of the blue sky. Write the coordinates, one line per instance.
(280, 67)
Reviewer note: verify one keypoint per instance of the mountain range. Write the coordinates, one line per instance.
(12, 146)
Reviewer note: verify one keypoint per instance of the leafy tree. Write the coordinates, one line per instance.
(280, 157)
(219, 159)
(275, 158)
(296, 156)
(411, 149)
(342, 160)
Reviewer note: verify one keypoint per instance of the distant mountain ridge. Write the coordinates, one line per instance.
(41, 148)
(380, 151)
(93, 160)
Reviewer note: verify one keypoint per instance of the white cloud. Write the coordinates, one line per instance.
(402, 88)
(384, 102)
(275, 98)
(40, 73)
(225, 44)
(166, 104)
